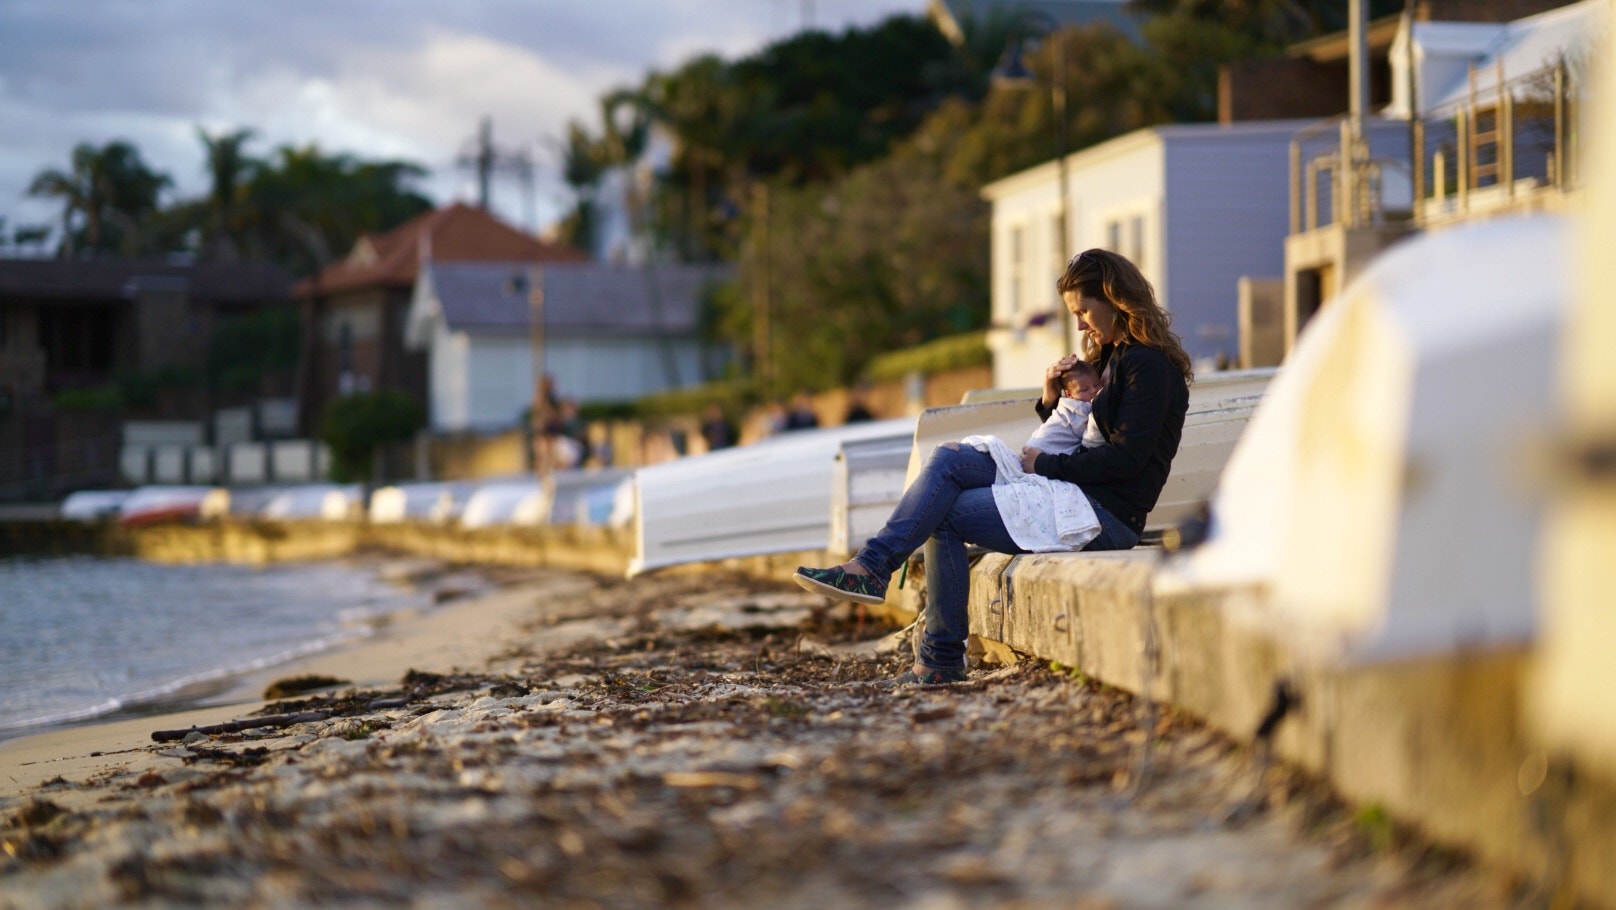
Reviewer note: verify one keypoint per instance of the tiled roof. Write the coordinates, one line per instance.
(592, 298)
(459, 233)
(120, 279)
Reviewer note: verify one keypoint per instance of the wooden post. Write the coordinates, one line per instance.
(1462, 165)
(1506, 132)
(1419, 165)
(1347, 177)
(1559, 126)
(1296, 187)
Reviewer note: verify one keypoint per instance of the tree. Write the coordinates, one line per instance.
(106, 194)
(302, 204)
(582, 167)
(355, 427)
(229, 169)
(892, 255)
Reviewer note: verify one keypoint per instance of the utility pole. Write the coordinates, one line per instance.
(762, 331)
(486, 159)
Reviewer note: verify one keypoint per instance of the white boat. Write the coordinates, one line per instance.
(867, 478)
(1378, 498)
(583, 496)
(321, 501)
(430, 502)
(771, 497)
(93, 505)
(498, 503)
(162, 503)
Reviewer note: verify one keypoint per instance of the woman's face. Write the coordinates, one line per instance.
(1095, 317)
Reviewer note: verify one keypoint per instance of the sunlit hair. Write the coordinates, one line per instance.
(1104, 275)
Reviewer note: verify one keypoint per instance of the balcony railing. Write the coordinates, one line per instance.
(1515, 138)
(1335, 179)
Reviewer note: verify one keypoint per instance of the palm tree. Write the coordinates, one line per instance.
(110, 188)
(582, 167)
(230, 169)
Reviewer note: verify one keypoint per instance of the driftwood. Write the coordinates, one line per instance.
(236, 726)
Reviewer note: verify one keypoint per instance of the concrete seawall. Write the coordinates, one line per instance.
(258, 542)
(1439, 744)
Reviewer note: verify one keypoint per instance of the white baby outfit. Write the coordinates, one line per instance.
(1071, 424)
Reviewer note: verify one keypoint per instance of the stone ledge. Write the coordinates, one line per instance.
(1437, 743)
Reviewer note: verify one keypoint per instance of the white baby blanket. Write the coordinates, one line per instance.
(1043, 515)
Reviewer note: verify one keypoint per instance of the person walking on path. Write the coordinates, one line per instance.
(1145, 374)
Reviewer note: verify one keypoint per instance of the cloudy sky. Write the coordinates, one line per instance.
(378, 78)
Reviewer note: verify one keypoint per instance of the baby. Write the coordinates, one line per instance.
(1071, 424)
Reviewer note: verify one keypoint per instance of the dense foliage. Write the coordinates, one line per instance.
(356, 426)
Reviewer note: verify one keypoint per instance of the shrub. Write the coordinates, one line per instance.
(355, 426)
(956, 352)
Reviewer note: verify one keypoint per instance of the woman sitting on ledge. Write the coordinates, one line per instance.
(1140, 411)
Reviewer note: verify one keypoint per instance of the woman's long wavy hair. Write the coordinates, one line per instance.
(1105, 275)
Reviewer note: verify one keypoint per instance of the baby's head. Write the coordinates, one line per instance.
(1081, 381)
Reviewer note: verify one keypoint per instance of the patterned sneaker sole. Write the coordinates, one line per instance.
(818, 587)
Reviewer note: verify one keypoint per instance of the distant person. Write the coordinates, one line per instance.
(1071, 424)
(716, 428)
(801, 416)
(954, 501)
(573, 433)
(858, 409)
(775, 416)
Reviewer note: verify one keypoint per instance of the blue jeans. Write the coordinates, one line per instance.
(949, 505)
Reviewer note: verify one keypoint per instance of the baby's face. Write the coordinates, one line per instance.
(1083, 387)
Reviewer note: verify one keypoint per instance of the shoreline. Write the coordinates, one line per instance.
(455, 631)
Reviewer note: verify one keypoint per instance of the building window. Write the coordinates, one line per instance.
(345, 347)
(1126, 236)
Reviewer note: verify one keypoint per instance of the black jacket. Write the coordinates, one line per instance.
(1141, 412)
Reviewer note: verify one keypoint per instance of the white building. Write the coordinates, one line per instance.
(1195, 206)
(611, 333)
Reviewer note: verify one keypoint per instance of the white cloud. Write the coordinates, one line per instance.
(377, 78)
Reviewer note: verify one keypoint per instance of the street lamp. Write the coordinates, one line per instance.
(1013, 73)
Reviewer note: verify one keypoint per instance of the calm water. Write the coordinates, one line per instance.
(82, 637)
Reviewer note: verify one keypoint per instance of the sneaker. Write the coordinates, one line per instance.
(838, 585)
(918, 675)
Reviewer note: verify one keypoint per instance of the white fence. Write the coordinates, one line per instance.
(281, 461)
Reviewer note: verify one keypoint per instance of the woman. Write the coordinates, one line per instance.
(1140, 410)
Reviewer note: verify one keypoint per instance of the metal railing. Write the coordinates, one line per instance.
(1517, 136)
(1335, 179)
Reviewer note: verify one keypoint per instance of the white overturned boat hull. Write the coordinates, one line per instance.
(772, 497)
(323, 502)
(93, 505)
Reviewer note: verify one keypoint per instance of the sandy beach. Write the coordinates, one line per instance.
(682, 740)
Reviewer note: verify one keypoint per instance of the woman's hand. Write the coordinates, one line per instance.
(1029, 457)
(1052, 379)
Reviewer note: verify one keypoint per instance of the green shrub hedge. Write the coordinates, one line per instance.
(956, 352)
